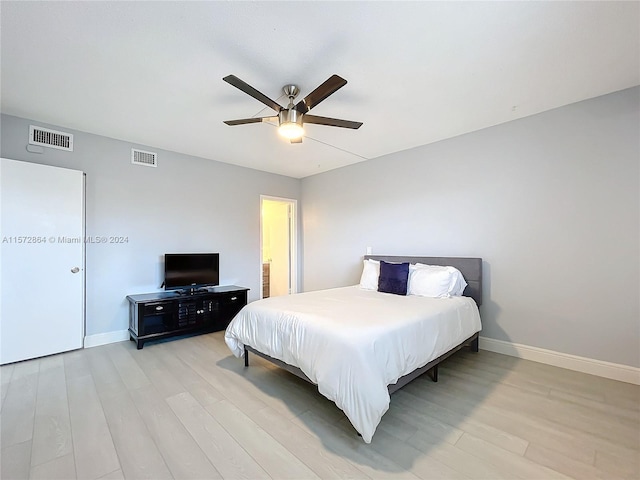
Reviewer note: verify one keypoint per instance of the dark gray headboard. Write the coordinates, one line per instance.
(471, 269)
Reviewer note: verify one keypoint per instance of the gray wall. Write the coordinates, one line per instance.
(550, 202)
(186, 204)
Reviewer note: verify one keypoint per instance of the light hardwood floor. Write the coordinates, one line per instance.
(188, 409)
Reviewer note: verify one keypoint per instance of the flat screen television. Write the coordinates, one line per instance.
(190, 271)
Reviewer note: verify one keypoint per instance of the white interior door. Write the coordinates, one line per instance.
(41, 260)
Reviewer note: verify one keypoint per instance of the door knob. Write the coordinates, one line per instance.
(75, 270)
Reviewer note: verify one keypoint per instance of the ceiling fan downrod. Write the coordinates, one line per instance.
(292, 92)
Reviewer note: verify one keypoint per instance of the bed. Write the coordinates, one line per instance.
(357, 345)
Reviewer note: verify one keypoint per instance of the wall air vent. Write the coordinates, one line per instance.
(140, 157)
(46, 137)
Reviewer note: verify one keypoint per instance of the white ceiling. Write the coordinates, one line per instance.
(151, 73)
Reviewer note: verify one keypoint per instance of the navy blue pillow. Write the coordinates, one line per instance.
(393, 278)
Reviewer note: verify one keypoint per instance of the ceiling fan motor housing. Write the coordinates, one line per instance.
(289, 115)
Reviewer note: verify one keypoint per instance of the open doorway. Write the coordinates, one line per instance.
(278, 246)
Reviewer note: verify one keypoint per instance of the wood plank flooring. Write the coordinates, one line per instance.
(187, 409)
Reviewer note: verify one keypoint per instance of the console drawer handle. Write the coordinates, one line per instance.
(234, 298)
(159, 307)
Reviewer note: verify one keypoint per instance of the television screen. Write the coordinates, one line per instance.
(189, 270)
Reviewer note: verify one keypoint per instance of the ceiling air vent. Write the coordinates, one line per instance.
(140, 157)
(46, 137)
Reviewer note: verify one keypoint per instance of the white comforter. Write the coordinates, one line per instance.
(352, 342)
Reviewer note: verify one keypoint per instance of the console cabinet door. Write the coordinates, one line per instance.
(41, 260)
(230, 305)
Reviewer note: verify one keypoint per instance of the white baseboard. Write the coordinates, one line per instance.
(104, 338)
(614, 371)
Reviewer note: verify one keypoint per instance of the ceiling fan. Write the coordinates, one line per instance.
(291, 118)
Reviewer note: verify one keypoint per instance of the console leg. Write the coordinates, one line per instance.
(246, 357)
(139, 344)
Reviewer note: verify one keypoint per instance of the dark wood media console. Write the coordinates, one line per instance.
(153, 316)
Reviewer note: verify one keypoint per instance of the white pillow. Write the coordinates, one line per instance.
(435, 281)
(370, 274)
(461, 283)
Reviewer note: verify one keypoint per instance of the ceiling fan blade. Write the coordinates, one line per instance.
(331, 122)
(330, 86)
(249, 90)
(296, 140)
(244, 121)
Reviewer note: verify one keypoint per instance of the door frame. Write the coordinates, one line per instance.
(293, 241)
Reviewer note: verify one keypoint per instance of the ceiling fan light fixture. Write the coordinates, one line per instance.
(290, 124)
(291, 130)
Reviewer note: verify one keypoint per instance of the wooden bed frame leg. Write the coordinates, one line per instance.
(433, 373)
(246, 357)
(475, 344)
